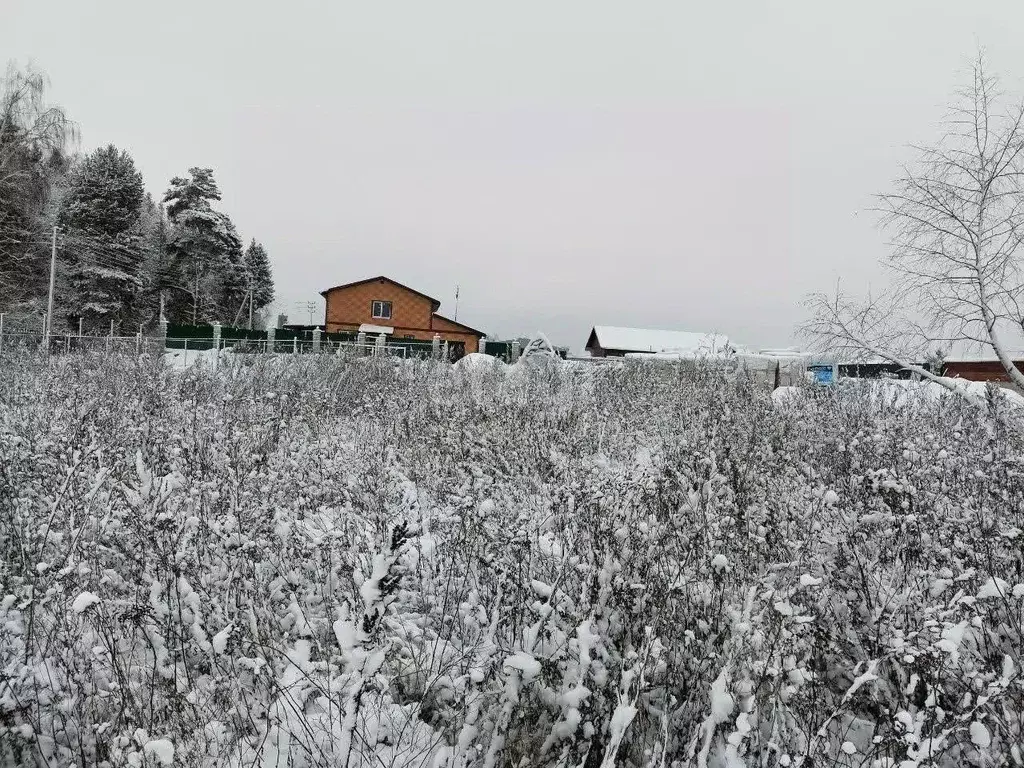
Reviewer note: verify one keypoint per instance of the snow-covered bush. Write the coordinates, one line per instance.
(329, 562)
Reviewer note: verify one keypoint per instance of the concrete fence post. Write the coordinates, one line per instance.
(516, 351)
(316, 339)
(295, 345)
(381, 341)
(270, 339)
(435, 346)
(360, 343)
(216, 343)
(162, 325)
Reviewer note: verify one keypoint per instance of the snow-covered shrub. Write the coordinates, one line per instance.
(318, 561)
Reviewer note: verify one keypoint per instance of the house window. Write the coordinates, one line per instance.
(382, 310)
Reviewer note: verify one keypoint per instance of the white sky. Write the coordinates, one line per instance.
(658, 164)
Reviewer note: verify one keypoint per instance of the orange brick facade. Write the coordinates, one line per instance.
(453, 331)
(412, 314)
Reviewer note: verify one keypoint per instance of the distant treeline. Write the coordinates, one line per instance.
(122, 257)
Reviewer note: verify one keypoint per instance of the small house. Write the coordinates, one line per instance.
(978, 368)
(613, 341)
(380, 305)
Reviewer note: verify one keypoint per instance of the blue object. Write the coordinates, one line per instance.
(823, 374)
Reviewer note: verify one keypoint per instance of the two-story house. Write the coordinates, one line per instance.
(381, 305)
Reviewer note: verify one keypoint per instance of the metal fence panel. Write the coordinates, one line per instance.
(500, 349)
(244, 334)
(241, 341)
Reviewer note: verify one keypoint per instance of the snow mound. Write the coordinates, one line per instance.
(185, 358)
(980, 389)
(902, 393)
(478, 361)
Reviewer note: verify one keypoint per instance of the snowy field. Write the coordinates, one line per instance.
(358, 563)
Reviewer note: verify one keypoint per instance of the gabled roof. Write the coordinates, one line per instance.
(648, 340)
(461, 325)
(434, 303)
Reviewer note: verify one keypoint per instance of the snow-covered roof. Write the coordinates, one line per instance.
(648, 340)
(370, 328)
(984, 356)
(782, 352)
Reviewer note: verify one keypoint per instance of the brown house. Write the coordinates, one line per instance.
(979, 370)
(381, 305)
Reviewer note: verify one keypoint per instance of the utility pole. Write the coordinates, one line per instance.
(456, 318)
(307, 306)
(195, 299)
(49, 298)
(248, 297)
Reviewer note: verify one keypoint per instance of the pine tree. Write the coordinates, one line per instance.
(233, 286)
(205, 249)
(156, 271)
(261, 280)
(102, 239)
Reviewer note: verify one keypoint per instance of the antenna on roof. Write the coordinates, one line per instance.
(456, 318)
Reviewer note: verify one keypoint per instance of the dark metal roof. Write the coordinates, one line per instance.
(461, 325)
(435, 304)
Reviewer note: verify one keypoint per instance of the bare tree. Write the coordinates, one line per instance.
(956, 220)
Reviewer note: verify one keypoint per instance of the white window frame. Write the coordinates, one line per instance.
(379, 315)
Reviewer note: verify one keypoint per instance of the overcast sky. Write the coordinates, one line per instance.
(681, 165)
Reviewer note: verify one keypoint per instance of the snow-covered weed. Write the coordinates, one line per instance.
(331, 562)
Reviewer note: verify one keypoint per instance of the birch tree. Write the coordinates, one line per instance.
(34, 139)
(956, 222)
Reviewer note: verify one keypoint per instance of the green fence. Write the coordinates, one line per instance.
(342, 337)
(247, 334)
(499, 349)
(503, 350)
(425, 349)
(200, 337)
(189, 336)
